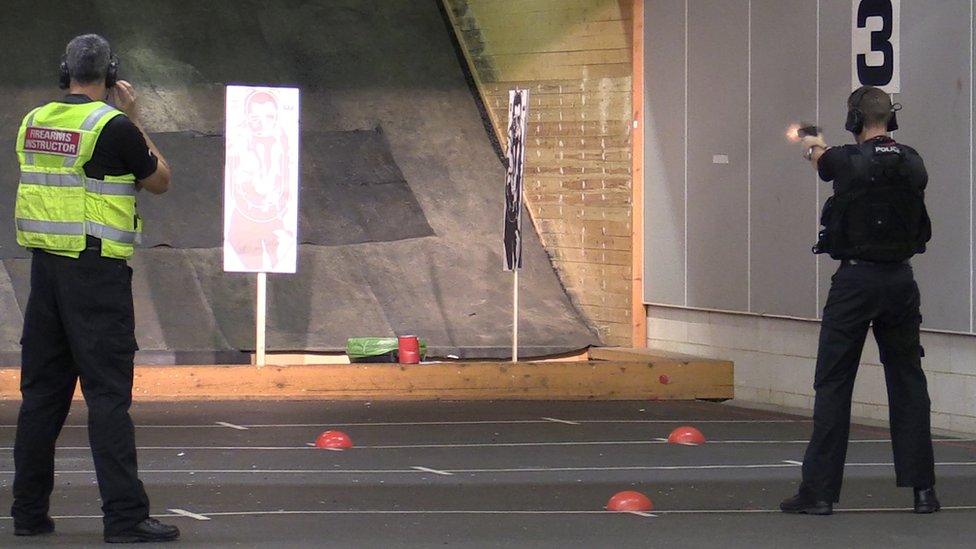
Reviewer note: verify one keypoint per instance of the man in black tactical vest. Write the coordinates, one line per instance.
(874, 223)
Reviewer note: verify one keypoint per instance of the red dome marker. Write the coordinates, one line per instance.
(664, 379)
(688, 436)
(629, 502)
(333, 440)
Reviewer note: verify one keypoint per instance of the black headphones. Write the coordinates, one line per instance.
(111, 74)
(855, 118)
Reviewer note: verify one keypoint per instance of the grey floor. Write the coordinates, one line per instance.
(493, 474)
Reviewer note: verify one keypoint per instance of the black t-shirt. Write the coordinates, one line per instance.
(835, 164)
(120, 148)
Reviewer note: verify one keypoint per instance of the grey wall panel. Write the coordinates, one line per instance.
(717, 122)
(835, 87)
(664, 156)
(783, 185)
(936, 120)
(937, 64)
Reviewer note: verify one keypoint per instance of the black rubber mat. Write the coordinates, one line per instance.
(402, 195)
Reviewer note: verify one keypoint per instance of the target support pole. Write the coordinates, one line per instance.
(262, 313)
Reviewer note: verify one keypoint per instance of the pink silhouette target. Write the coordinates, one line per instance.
(261, 180)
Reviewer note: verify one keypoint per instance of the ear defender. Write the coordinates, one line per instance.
(855, 121)
(112, 74)
(855, 118)
(893, 121)
(64, 78)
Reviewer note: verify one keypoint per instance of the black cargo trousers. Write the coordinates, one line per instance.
(885, 296)
(79, 323)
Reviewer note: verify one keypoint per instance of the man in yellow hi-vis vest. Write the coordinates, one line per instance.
(82, 163)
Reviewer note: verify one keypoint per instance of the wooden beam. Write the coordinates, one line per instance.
(638, 310)
(598, 380)
(472, 68)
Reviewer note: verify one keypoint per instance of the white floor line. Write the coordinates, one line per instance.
(414, 471)
(657, 512)
(776, 511)
(509, 444)
(654, 441)
(248, 472)
(622, 468)
(93, 517)
(528, 421)
(232, 426)
(566, 422)
(400, 423)
(556, 512)
(184, 426)
(537, 421)
(680, 467)
(610, 443)
(451, 423)
(198, 448)
(642, 514)
(695, 421)
(435, 471)
(792, 462)
(185, 513)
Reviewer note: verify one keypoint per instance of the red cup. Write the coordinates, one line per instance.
(408, 349)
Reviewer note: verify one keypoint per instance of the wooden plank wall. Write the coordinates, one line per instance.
(575, 58)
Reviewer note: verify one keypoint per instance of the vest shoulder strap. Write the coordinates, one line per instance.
(81, 116)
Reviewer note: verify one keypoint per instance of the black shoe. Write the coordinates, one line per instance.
(926, 501)
(147, 530)
(806, 505)
(44, 527)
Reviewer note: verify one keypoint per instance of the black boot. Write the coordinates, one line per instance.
(807, 505)
(147, 530)
(46, 526)
(926, 501)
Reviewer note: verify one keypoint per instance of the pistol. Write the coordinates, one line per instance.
(807, 129)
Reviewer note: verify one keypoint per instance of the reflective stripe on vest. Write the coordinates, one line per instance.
(51, 179)
(70, 228)
(88, 125)
(104, 231)
(74, 180)
(50, 227)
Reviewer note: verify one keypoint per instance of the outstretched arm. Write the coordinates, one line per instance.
(814, 147)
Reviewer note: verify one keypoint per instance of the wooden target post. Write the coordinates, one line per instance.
(518, 107)
(261, 190)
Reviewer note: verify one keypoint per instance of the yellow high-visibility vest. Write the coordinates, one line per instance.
(57, 205)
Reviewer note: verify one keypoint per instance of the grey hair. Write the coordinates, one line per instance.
(88, 57)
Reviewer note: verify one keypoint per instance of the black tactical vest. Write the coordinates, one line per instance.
(879, 214)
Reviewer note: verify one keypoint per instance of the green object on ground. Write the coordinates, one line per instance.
(362, 348)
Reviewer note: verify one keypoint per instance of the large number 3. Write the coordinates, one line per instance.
(879, 75)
